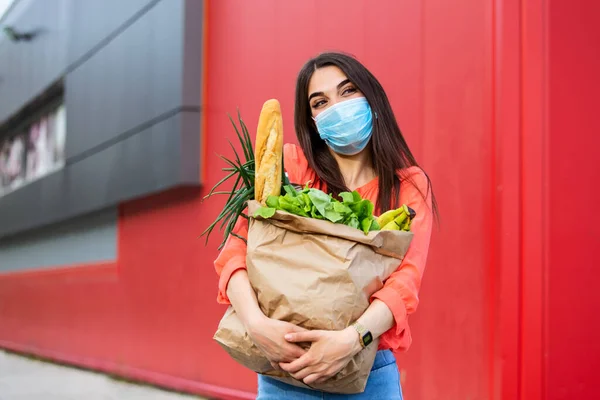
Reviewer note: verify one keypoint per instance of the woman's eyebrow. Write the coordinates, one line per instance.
(315, 94)
(339, 86)
(342, 83)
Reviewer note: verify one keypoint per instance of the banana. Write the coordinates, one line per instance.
(398, 219)
(406, 226)
(388, 216)
(401, 217)
(391, 226)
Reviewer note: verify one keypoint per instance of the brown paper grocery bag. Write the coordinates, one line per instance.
(317, 275)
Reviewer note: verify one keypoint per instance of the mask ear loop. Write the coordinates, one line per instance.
(314, 121)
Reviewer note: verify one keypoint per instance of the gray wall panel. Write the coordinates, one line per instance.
(94, 21)
(27, 68)
(110, 176)
(86, 239)
(134, 78)
(69, 30)
(190, 147)
(192, 53)
(132, 75)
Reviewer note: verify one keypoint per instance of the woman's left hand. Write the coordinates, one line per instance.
(330, 351)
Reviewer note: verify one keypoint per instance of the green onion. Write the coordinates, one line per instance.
(242, 191)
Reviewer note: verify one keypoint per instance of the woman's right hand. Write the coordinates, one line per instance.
(268, 335)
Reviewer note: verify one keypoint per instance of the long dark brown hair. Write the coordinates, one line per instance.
(389, 150)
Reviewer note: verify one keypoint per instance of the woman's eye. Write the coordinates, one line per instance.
(319, 103)
(349, 90)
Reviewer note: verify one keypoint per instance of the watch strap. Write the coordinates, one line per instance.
(364, 334)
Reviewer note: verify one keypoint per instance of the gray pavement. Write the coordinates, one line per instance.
(23, 378)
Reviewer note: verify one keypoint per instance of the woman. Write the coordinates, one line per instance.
(349, 140)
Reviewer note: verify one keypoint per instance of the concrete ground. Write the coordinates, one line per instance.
(28, 379)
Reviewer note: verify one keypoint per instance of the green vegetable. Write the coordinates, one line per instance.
(353, 222)
(291, 204)
(353, 210)
(272, 201)
(265, 212)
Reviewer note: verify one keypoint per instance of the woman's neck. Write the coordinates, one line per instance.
(356, 170)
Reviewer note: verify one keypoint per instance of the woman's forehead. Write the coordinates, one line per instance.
(326, 80)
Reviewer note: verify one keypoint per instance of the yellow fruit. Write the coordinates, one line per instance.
(403, 216)
(406, 226)
(388, 216)
(391, 226)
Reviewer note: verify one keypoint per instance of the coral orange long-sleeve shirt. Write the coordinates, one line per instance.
(400, 290)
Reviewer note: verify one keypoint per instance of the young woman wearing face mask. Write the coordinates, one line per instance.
(349, 140)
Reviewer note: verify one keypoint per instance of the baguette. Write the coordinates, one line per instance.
(268, 152)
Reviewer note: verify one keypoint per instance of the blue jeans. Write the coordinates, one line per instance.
(383, 384)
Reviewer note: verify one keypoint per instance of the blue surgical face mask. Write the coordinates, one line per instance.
(346, 127)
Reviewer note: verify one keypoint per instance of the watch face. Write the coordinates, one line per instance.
(367, 339)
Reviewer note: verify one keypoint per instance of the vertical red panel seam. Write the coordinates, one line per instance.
(422, 78)
(507, 199)
(204, 96)
(532, 221)
(494, 311)
(521, 194)
(545, 189)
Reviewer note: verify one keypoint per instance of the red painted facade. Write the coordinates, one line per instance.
(496, 98)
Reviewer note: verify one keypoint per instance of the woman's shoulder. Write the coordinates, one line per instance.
(293, 152)
(296, 164)
(412, 173)
(414, 179)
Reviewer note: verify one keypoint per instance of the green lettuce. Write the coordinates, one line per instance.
(352, 210)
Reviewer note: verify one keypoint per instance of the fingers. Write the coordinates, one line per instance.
(305, 361)
(293, 352)
(314, 378)
(306, 336)
(288, 352)
(319, 377)
(306, 372)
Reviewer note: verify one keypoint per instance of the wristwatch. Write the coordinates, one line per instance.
(364, 335)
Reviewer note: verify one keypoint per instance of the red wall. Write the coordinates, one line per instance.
(485, 100)
(572, 192)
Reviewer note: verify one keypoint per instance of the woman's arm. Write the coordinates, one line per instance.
(235, 289)
(243, 299)
(401, 290)
(232, 259)
(378, 319)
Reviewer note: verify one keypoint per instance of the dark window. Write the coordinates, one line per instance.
(32, 142)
